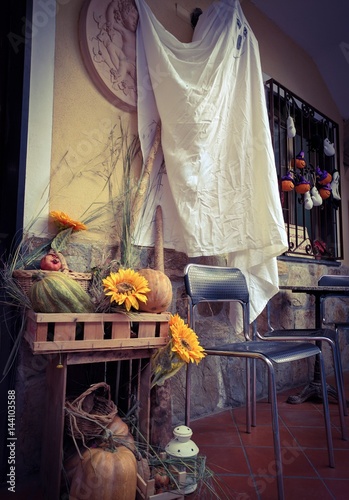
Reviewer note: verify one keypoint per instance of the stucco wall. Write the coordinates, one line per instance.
(83, 118)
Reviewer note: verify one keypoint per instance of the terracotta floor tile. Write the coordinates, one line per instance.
(227, 487)
(319, 459)
(266, 488)
(309, 437)
(215, 431)
(291, 416)
(306, 489)
(338, 487)
(338, 442)
(218, 419)
(295, 462)
(225, 460)
(263, 436)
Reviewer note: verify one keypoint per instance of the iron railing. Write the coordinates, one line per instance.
(308, 157)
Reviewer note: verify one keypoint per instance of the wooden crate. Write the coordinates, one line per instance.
(70, 332)
(146, 489)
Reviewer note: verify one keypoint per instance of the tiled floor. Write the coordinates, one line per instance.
(243, 464)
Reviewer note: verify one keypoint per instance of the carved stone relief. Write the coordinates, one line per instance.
(107, 33)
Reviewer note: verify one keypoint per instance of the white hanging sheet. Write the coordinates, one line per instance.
(219, 193)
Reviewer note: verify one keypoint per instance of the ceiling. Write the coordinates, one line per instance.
(321, 28)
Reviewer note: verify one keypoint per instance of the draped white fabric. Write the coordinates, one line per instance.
(219, 194)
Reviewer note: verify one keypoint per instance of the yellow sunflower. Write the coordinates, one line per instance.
(185, 342)
(126, 287)
(164, 363)
(63, 221)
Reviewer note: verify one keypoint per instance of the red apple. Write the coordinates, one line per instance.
(161, 479)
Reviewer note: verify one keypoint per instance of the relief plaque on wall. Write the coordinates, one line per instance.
(107, 33)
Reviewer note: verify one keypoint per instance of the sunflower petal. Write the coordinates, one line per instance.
(63, 221)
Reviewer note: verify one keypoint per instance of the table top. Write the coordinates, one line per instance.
(314, 289)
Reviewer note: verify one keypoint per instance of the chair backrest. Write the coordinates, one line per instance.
(204, 283)
(333, 280)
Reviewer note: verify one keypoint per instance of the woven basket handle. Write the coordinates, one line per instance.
(92, 388)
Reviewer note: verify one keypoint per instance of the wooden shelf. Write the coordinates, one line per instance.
(52, 333)
(132, 336)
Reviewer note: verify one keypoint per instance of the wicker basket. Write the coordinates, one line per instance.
(91, 412)
(25, 277)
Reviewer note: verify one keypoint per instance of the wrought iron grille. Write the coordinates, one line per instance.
(306, 148)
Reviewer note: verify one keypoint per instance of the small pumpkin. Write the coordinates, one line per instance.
(322, 177)
(118, 427)
(105, 474)
(325, 191)
(160, 296)
(299, 161)
(287, 182)
(57, 292)
(302, 185)
(120, 433)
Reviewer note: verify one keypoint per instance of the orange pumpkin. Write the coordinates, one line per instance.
(120, 433)
(160, 296)
(326, 179)
(105, 474)
(325, 192)
(302, 185)
(299, 161)
(302, 188)
(287, 182)
(287, 185)
(118, 427)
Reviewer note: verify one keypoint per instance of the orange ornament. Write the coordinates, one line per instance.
(325, 191)
(299, 161)
(287, 183)
(302, 185)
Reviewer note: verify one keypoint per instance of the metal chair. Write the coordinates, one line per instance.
(317, 335)
(335, 280)
(227, 284)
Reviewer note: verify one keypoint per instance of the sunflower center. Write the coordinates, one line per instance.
(185, 344)
(125, 288)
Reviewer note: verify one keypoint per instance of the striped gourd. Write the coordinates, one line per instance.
(58, 293)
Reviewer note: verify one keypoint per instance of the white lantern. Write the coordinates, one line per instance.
(181, 447)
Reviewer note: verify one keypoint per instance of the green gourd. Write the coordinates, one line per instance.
(57, 292)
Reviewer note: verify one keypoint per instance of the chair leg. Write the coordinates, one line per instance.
(253, 380)
(340, 390)
(345, 408)
(276, 430)
(269, 394)
(254, 394)
(326, 411)
(248, 395)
